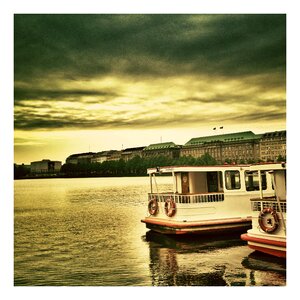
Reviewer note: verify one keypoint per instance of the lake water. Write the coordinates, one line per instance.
(87, 232)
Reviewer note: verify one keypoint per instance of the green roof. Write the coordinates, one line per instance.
(230, 137)
(160, 146)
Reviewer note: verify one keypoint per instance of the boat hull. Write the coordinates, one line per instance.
(269, 246)
(198, 227)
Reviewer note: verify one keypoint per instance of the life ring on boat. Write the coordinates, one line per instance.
(170, 207)
(268, 224)
(153, 207)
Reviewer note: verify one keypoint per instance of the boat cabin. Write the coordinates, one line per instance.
(201, 184)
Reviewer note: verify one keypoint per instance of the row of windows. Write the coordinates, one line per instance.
(233, 152)
(217, 152)
(280, 147)
(234, 139)
(266, 153)
(233, 180)
(274, 138)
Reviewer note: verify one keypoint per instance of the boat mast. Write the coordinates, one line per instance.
(260, 185)
(151, 188)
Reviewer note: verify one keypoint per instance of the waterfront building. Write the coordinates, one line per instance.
(240, 146)
(273, 145)
(45, 166)
(130, 153)
(80, 158)
(102, 156)
(114, 155)
(168, 149)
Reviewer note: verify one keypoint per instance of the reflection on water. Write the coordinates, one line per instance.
(88, 232)
(209, 261)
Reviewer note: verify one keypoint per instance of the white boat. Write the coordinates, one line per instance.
(206, 199)
(268, 233)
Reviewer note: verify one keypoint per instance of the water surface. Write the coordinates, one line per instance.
(87, 232)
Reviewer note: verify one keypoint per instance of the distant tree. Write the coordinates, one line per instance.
(121, 167)
(20, 171)
(250, 161)
(280, 158)
(207, 159)
(228, 161)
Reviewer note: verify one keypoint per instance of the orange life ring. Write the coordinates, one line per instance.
(268, 225)
(170, 207)
(153, 207)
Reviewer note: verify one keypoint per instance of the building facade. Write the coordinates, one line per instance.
(238, 147)
(80, 158)
(45, 166)
(93, 157)
(100, 157)
(243, 146)
(130, 153)
(168, 149)
(273, 145)
(115, 155)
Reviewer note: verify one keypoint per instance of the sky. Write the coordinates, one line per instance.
(98, 82)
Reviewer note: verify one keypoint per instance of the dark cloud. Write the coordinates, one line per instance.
(89, 45)
(231, 99)
(52, 53)
(48, 94)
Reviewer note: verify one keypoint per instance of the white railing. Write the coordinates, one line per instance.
(260, 204)
(191, 198)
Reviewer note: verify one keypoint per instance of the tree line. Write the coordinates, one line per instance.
(136, 166)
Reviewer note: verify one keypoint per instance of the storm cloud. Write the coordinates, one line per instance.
(112, 70)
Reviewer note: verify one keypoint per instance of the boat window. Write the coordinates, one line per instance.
(252, 180)
(232, 180)
(214, 182)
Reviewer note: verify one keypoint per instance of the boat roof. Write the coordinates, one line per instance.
(250, 167)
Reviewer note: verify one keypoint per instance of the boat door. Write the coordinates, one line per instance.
(185, 183)
(212, 182)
